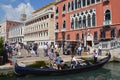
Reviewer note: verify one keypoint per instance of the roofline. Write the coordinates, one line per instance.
(40, 9)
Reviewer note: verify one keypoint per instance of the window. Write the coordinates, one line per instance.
(56, 36)
(63, 35)
(93, 19)
(88, 2)
(68, 37)
(82, 36)
(95, 35)
(80, 22)
(52, 15)
(64, 8)
(72, 5)
(76, 23)
(79, 4)
(84, 3)
(107, 15)
(113, 33)
(89, 20)
(72, 24)
(69, 6)
(84, 21)
(64, 24)
(77, 36)
(57, 10)
(92, 1)
(97, 0)
(102, 35)
(56, 26)
(75, 4)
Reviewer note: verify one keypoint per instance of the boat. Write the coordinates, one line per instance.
(19, 70)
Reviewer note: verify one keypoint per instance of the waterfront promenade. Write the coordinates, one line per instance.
(24, 59)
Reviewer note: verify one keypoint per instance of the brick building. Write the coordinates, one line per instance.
(4, 28)
(87, 21)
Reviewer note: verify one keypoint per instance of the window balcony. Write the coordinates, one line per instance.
(63, 29)
(107, 22)
(56, 30)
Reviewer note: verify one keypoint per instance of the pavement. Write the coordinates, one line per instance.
(23, 59)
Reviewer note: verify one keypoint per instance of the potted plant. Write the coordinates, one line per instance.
(1, 51)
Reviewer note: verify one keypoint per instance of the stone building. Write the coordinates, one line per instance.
(39, 28)
(16, 33)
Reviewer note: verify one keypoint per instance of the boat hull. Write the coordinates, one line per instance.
(47, 71)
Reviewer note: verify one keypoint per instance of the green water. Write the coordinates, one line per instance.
(110, 71)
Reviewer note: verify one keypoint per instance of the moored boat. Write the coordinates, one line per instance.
(19, 70)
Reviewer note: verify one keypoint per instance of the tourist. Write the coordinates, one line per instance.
(74, 62)
(35, 47)
(51, 57)
(95, 54)
(68, 50)
(45, 50)
(10, 51)
(5, 55)
(79, 50)
(58, 61)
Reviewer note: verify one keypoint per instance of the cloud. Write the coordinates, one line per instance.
(12, 13)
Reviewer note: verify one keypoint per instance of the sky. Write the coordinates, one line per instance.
(11, 9)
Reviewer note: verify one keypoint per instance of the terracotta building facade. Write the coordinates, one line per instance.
(86, 21)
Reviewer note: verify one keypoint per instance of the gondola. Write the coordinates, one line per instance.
(19, 70)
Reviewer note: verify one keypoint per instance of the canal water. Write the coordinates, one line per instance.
(110, 71)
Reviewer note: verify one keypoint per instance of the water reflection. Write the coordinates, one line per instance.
(99, 74)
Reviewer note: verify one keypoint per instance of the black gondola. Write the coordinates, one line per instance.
(48, 71)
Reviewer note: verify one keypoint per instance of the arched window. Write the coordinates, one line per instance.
(79, 3)
(93, 19)
(84, 21)
(64, 24)
(113, 33)
(72, 5)
(80, 22)
(57, 26)
(68, 37)
(89, 20)
(72, 24)
(64, 8)
(76, 23)
(107, 15)
(77, 36)
(75, 4)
